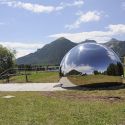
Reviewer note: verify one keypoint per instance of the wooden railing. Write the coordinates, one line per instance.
(7, 74)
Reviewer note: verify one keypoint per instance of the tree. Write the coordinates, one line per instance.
(6, 58)
(111, 70)
(96, 72)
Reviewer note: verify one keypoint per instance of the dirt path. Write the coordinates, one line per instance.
(82, 97)
(31, 87)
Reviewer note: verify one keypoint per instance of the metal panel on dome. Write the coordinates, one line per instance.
(89, 63)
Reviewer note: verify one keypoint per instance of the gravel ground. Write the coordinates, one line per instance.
(31, 87)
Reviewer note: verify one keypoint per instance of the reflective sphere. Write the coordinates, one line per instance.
(90, 63)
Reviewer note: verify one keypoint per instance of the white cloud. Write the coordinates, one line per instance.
(59, 8)
(22, 48)
(77, 3)
(39, 8)
(90, 16)
(84, 69)
(36, 8)
(99, 36)
(119, 28)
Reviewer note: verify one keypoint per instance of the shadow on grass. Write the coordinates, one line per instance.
(98, 86)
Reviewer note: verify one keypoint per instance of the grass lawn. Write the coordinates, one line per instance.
(46, 77)
(38, 77)
(89, 107)
(97, 107)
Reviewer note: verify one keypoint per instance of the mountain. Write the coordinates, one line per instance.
(117, 46)
(53, 52)
(50, 54)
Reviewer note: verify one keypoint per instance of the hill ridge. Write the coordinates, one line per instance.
(52, 53)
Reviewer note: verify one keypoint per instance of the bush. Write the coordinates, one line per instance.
(6, 58)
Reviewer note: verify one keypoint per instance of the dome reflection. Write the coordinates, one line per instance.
(90, 63)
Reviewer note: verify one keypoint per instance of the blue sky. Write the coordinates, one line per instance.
(26, 25)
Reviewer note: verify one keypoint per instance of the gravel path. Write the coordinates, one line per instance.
(31, 87)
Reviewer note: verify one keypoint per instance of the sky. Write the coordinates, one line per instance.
(26, 25)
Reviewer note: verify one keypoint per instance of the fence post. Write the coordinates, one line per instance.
(8, 79)
(26, 76)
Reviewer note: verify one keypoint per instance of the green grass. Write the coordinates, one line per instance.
(93, 107)
(38, 77)
(59, 108)
(46, 77)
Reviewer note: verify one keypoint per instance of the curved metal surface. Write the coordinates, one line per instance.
(90, 63)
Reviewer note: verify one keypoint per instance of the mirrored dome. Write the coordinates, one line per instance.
(90, 63)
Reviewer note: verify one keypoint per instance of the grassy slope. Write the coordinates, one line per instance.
(34, 108)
